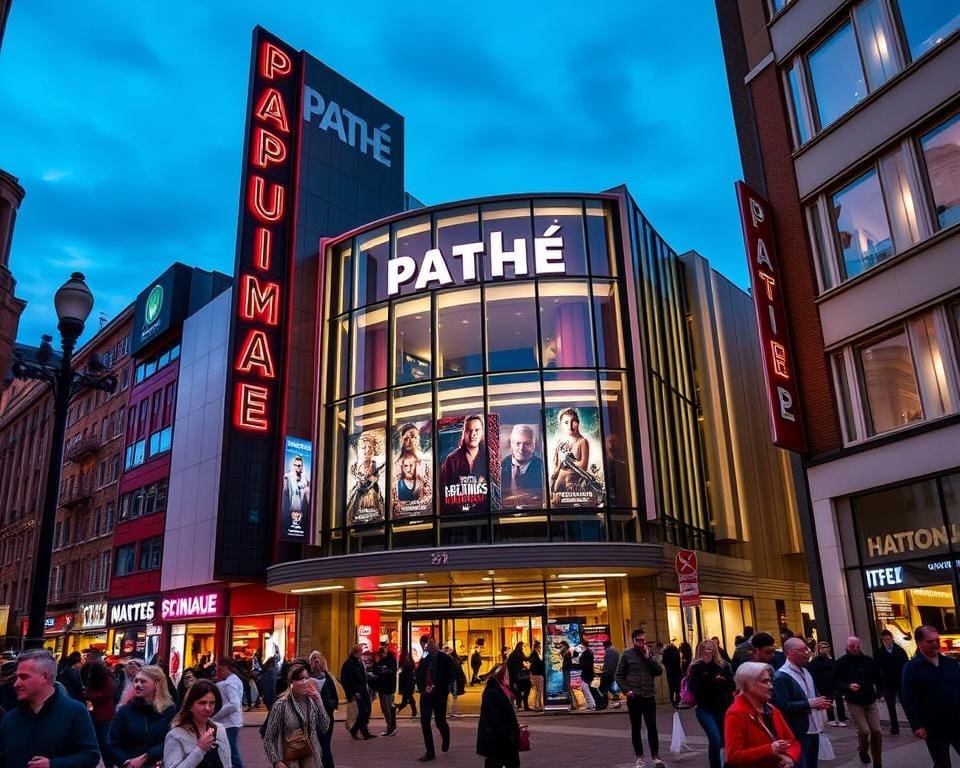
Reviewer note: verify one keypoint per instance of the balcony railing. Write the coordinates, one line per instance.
(79, 449)
(77, 496)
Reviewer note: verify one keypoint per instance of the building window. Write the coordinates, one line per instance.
(160, 441)
(126, 559)
(836, 75)
(890, 384)
(151, 554)
(104, 570)
(135, 455)
(927, 24)
(861, 226)
(941, 154)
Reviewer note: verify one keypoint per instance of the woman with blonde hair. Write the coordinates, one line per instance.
(140, 727)
(710, 680)
(296, 724)
(194, 740)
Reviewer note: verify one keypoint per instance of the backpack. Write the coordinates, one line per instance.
(687, 699)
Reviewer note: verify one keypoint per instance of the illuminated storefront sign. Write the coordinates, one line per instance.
(765, 281)
(351, 129)
(91, 616)
(192, 606)
(884, 577)
(136, 611)
(915, 540)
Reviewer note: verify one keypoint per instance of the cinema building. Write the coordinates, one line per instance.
(848, 115)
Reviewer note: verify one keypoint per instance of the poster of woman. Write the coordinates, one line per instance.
(576, 457)
(412, 473)
(365, 499)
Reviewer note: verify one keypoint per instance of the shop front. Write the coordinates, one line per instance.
(55, 629)
(262, 622)
(194, 623)
(723, 617)
(131, 626)
(90, 628)
(908, 540)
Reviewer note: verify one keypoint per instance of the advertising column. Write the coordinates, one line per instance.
(563, 639)
(195, 618)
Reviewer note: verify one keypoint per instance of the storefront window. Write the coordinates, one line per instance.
(412, 341)
(564, 219)
(511, 324)
(370, 350)
(600, 239)
(271, 634)
(458, 227)
(373, 253)
(459, 341)
(412, 241)
(566, 341)
(607, 321)
(508, 240)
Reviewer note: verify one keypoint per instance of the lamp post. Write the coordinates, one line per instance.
(73, 301)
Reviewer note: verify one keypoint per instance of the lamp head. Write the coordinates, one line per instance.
(73, 301)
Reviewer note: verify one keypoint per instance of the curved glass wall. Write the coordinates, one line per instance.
(478, 391)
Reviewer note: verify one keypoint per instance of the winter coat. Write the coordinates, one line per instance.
(102, 700)
(586, 666)
(407, 683)
(636, 673)
(441, 666)
(821, 670)
(498, 732)
(860, 669)
(931, 696)
(69, 677)
(386, 680)
(353, 678)
(891, 665)
(287, 716)
(138, 729)
(746, 740)
(180, 748)
(712, 685)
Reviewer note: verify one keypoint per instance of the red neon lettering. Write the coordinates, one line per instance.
(260, 303)
(262, 248)
(255, 353)
(274, 61)
(267, 148)
(779, 354)
(257, 204)
(270, 109)
(251, 410)
(770, 282)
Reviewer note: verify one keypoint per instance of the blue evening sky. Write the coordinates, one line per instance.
(124, 120)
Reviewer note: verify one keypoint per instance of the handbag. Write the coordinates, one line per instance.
(687, 699)
(296, 744)
(524, 738)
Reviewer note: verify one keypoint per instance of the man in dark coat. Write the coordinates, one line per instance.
(930, 694)
(670, 658)
(857, 677)
(476, 661)
(795, 695)
(891, 659)
(47, 727)
(353, 678)
(385, 685)
(434, 674)
(69, 676)
(498, 732)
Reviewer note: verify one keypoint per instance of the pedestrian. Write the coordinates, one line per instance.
(755, 733)
(69, 675)
(670, 658)
(353, 678)
(268, 682)
(433, 675)
(763, 650)
(821, 667)
(324, 683)
(99, 691)
(476, 661)
(406, 683)
(566, 670)
(635, 675)
(538, 672)
(8, 696)
(124, 692)
(585, 662)
(519, 676)
(194, 739)
(458, 682)
(230, 713)
(857, 677)
(293, 734)
(930, 694)
(187, 679)
(386, 686)
(138, 731)
(498, 732)
(891, 659)
(47, 726)
(720, 649)
(611, 658)
(686, 657)
(795, 695)
(710, 680)
(743, 648)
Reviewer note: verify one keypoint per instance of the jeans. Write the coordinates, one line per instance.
(389, 712)
(326, 751)
(235, 760)
(712, 724)
(434, 705)
(643, 710)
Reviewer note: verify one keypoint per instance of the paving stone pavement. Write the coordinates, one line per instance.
(571, 740)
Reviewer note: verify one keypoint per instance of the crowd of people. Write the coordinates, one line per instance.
(762, 707)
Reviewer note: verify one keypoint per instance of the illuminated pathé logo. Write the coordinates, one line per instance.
(154, 304)
(434, 270)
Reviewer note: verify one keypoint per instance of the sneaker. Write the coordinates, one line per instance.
(658, 763)
(615, 705)
(834, 723)
(843, 724)
(640, 763)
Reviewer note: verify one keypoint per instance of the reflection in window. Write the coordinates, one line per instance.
(373, 252)
(511, 327)
(837, 75)
(459, 342)
(876, 42)
(608, 323)
(890, 382)
(861, 224)
(413, 341)
(568, 216)
(927, 23)
(941, 151)
(903, 212)
(565, 325)
(370, 350)
(619, 469)
(600, 239)
(846, 403)
(507, 239)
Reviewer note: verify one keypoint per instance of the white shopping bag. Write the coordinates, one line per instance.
(826, 748)
(678, 740)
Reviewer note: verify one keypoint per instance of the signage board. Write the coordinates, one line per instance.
(162, 305)
(194, 604)
(688, 576)
(912, 574)
(295, 492)
(766, 281)
(137, 610)
(558, 632)
(91, 615)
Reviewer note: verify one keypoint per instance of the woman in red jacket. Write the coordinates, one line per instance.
(755, 733)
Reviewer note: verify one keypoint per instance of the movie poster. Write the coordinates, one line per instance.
(464, 479)
(365, 477)
(559, 631)
(295, 492)
(576, 457)
(412, 476)
(521, 470)
(594, 635)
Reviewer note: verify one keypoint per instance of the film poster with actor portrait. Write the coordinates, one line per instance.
(575, 457)
(521, 476)
(296, 496)
(411, 483)
(366, 477)
(467, 461)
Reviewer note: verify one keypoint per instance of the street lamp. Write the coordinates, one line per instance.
(73, 301)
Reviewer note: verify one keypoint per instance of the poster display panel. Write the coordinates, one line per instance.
(295, 493)
(468, 459)
(412, 476)
(178, 637)
(558, 632)
(521, 470)
(594, 636)
(365, 500)
(576, 457)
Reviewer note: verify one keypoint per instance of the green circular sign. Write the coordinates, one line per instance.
(154, 304)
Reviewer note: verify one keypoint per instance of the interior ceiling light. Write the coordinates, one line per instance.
(591, 575)
(412, 583)
(328, 588)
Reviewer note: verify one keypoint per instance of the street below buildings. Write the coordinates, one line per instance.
(595, 739)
